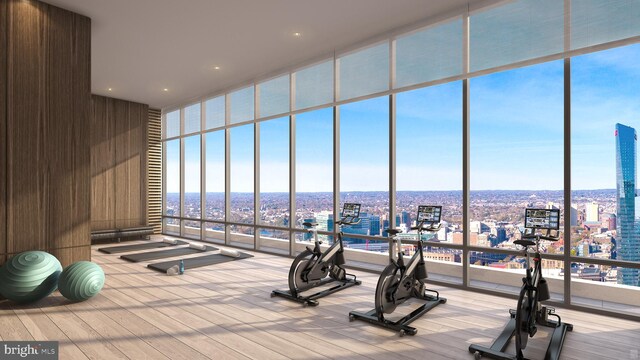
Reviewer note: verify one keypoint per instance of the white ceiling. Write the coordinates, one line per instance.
(140, 47)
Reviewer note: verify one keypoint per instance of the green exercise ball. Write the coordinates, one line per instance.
(81, 281)
(29, 276)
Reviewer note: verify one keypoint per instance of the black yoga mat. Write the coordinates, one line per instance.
(197, 262)
(146, 246)
(153, 255)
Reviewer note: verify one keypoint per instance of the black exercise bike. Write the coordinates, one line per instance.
(399, 282)
(313, 268)
(529, 311)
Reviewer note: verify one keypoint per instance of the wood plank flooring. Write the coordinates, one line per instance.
(225, 312)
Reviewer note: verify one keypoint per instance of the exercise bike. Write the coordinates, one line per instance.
(399, 282)
(313, 268)
(530, 312)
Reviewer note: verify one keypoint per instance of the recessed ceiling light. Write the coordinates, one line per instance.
(109, 89)
(165, 89)
(297, 34)
(216, 68)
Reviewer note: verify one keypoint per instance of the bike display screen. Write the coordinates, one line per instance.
(429, 213)
(351, 210)
(542, 219)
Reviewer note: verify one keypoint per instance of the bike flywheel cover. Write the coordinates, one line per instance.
(297, 275)
(387, 305)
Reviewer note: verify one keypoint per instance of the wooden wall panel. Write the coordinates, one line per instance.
(118, 166)
(3, 128)
(122, 178)
(67, 129)
(26, 103)
(103, 212)
(48, 103)
(68, 256)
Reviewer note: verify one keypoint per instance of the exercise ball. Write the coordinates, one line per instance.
(81, 281)
(29, 276)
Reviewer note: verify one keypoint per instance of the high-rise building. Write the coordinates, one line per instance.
(593, 213)
(628, 229)
(574, 215)
(374, 225)
(406, 219)
(479, 227)
(325, 221)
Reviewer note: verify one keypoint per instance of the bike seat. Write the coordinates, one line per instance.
(393, 231)
(524, 242)
(310, 224)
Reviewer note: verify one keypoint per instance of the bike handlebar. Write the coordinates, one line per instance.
(431, 227)
(345, 221)
(544, 237)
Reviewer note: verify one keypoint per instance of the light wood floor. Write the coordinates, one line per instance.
(225, 312)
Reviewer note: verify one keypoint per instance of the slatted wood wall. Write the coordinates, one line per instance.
(154, 171)
(3, 129)
(119, 139)
(46, 96)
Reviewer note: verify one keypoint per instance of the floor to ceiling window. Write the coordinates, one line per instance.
(241, 197)
(314, 170)
(605, 116)
(429, 165)
(364, 169)
(274, 184)
(516, 161)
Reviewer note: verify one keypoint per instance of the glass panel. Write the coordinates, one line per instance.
(598, 286)
(516, 31)
(172, 124)
(242, 201)
(503, 272)
(192, 118)
(443, 264)
(430, 54)
(241, 236)
(302, 240)
(517, 131)
(596, 22)
(364, 162)
(192, 177)
(274, 172)
(364, 72)
(214, 232)
(274, 241)
(215, 179)
(215, 112)
(171, 226)
(429, 121)
(314, 85)
(172, 178)
(191, 229)
(314, 168)
(274, 96)
(242, 105)
(605, 113)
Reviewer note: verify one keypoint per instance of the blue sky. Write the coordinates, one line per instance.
(516, 134)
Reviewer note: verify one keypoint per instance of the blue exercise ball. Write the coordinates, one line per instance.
(81, 281)
(29, 276)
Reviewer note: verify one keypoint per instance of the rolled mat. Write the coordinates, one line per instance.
(197, 246)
